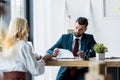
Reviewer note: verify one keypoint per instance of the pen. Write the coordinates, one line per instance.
(86, 54)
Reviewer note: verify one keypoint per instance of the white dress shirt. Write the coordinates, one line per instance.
(78, 42)
(20, 57)
(79, 45)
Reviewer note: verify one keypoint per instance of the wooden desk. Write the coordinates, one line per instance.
(112, 62)
(78, 62)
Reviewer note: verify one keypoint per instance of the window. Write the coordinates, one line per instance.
(17, 8)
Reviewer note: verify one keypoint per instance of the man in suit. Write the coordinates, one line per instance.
(67, 41)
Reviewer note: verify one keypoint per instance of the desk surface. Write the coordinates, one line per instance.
(79, 62)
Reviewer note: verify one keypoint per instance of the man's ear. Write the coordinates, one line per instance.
(85, 28)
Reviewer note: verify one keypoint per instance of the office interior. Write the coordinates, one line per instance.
(48, 19)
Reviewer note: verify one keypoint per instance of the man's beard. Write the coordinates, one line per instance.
(77, 34)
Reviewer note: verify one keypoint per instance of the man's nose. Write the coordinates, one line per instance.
(78, 30)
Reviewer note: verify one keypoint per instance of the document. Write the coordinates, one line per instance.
(64, 53)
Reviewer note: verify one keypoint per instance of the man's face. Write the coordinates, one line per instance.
(79, 29)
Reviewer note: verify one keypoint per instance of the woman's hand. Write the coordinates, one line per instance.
(46, 57)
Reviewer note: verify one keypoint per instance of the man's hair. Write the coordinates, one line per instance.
(82, 21)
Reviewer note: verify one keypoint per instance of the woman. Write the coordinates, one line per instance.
(17, 56)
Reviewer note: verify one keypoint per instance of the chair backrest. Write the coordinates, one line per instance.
(70, 30)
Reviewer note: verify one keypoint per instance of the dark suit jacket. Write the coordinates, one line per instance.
(65, 42)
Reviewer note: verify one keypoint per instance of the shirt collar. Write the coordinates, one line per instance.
(77, 37)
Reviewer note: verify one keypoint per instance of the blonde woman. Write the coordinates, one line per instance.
(17, 56)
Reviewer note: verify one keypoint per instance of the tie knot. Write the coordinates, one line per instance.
(76, 39)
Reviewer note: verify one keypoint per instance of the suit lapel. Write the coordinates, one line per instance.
(70, 42)
(83, 42)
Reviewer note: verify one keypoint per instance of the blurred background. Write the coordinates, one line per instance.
(48, 19)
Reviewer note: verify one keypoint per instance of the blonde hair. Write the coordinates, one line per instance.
(3, 30)
(17, 30)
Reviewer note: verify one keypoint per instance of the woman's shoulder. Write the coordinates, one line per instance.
(22, 43)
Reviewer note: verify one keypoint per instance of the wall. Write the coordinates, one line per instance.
(46, 32)
(106, 29)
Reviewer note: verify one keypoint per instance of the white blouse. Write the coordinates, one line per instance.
(21, 58)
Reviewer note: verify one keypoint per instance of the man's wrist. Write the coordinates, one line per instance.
(53, 55)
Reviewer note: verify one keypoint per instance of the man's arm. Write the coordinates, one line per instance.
(91, 51)
(57, 45)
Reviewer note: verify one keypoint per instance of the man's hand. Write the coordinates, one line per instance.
(55, 52)
(80, 54)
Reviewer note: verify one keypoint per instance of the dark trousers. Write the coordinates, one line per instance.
(79, 75)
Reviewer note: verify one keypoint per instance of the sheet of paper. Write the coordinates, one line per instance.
(64, 53)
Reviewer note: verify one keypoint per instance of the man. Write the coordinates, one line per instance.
(85, 47)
